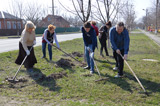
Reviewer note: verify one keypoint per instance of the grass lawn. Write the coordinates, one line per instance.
(79, 89)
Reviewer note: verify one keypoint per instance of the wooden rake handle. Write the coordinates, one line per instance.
(133, 73)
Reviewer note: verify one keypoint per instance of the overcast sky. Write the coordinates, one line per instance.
(139, 5)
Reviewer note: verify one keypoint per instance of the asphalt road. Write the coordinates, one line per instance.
(12, 44)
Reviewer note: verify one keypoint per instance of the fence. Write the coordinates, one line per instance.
(59, 30)
(9, 32)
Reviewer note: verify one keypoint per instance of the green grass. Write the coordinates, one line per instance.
(79, 90)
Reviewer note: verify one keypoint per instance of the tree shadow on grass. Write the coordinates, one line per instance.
(43, 80)
(105, 61)
(121, 82)
(148, 85)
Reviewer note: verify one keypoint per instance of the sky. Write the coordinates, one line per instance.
(138, 4)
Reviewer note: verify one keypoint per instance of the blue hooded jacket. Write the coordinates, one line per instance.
(89, 37)
(119, 41)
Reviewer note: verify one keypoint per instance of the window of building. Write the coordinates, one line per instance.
(19, 25)
(14, 24)
(0, 25)
(8, 25)
(49, 18)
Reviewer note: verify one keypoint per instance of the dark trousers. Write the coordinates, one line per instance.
(30, 60)
(103, 45)
(119, 61)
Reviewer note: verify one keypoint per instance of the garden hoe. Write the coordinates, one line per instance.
(135, 76)
(101, 79)
(13, 80)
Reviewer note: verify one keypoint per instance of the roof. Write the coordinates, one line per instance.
(58, 17)
(5, 15)
(57, 21)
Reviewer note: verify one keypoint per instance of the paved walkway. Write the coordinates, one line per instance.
(155, 38)
(12, 44)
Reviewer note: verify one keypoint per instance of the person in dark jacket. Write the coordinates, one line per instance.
(49, 36)
(104, 35)
(90, 42)
(119, 39)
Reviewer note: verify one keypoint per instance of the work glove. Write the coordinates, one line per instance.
(88, 48)
(92, 55)
(34, 42)
(118, 51)
(51, 44)
(27, 52)
(125, 57)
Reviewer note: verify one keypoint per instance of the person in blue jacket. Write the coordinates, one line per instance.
(90, 42)
(119, 39)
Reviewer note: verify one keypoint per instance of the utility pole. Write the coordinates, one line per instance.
(147, 19)
(156, 16)
(53, 7)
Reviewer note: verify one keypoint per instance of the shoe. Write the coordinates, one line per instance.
(50, 61)
(115, 68)
(87, 67)
(102, 55)
(118, 76)
(91, 72)
(107, 54)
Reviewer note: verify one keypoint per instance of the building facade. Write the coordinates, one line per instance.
(58, 21)
(9, 24)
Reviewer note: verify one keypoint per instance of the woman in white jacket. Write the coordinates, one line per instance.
(27, 41)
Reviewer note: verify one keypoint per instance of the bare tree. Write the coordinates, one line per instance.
(82, 8)
(73, 20)
(105, 10)
(129, 16)
(17, 9)
(34, 12)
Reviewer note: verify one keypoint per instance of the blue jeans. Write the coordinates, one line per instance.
(88, 57)
(49, 50)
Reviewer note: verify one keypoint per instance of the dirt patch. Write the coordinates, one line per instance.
(1, 70)
(74, 54)
(14, 84)
(21, 79)
(64, 63)
(58, 75)
(77, 54)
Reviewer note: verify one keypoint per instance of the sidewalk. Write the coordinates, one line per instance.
(155, 38)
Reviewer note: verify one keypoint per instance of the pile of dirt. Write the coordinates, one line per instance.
(58, 75)
(65, 63)
(20, 79)
(74, 54)
(77, 54)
